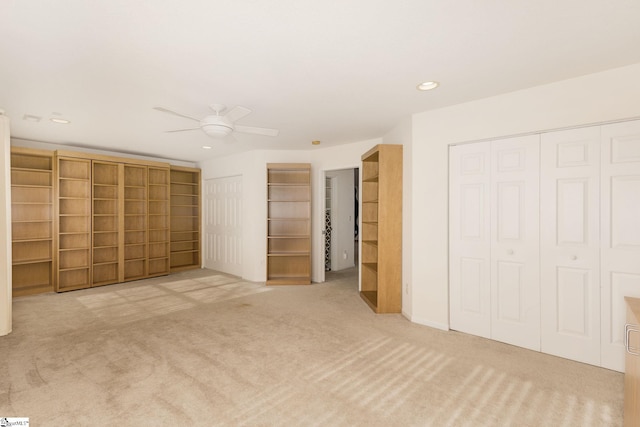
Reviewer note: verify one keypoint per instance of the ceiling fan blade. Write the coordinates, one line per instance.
(236, 113)
(257, 131)
(164, 110)
(181, 130)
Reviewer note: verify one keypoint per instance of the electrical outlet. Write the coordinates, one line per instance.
(344, 255)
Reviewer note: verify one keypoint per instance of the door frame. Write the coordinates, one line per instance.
(319, 246)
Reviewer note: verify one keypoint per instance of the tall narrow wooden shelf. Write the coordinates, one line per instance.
(288, 224)
(106, 198)
(185, 218)
(159, 208)
(381, 259)
(73, 267)
(632, 363)
(135, 222)
(32, 214)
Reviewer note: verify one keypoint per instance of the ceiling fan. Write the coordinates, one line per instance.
(221, 125)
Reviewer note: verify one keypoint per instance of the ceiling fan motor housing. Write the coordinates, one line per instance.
(216, 126)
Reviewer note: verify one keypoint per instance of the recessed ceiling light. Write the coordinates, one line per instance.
(206, 147)
(31, 118)
(316, 142)
(428, 85)
(60, 121)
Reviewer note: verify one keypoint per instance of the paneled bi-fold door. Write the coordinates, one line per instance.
(223, 224)
(494, 251)
(589, 240)
(620, 233)
(470, 238)
(515, 241)
(570, 244)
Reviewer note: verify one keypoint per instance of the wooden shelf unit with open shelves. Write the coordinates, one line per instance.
(73, 226)
(81, 220)
(32, 216)
(288, 224)
(185, 218)
(159, 221)
(381, 255)
(106, 210)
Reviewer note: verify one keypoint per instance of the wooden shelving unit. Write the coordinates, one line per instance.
(32, 214)
(135, 222)
(81, 220)
(159, 208)
(106, 219)
(288, 224)
(185, 218)
(73, 267)
(381, 258)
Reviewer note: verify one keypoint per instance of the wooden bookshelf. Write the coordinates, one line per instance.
(159, 209)
(185, 218)
(288, 224)
(381, 256)
(73, 269)
(135, 226)
(81, 220)
(32, 213)
(106, 215)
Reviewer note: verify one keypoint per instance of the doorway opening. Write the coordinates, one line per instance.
(340, 229)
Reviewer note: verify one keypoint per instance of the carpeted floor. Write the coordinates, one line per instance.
(201, 348)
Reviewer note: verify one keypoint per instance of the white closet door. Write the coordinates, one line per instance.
(620, 233)
(469, 266)
(570, 244)
(515, 257)
(223, 225)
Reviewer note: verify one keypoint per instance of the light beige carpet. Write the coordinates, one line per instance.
(201, 348)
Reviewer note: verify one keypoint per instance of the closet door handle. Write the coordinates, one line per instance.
(573, 257)
(510, 252)
(628, 329)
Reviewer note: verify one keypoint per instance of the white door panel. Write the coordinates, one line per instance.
(223, 224)
(515, 280)
(620, 231)
(469, 298)
(570, 244)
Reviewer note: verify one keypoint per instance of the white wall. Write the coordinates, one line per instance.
(5, 227)
(343, 220)
(595, 98)
(252, 166)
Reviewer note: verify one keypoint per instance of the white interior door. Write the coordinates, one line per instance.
(223, 224)
(620, 248)
(570, 244)
(469, 265)
(515, 256)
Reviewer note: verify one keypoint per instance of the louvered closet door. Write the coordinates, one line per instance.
(469, 206)
(515, 265)
(570, 244)
(620, 233)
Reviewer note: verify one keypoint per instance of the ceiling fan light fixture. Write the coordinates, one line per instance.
(217, 130)
(428, 85)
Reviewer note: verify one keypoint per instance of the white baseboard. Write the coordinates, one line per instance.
(425, 322)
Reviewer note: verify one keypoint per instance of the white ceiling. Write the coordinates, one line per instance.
(335, 71)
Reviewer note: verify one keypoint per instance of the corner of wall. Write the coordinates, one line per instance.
(5, 228)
